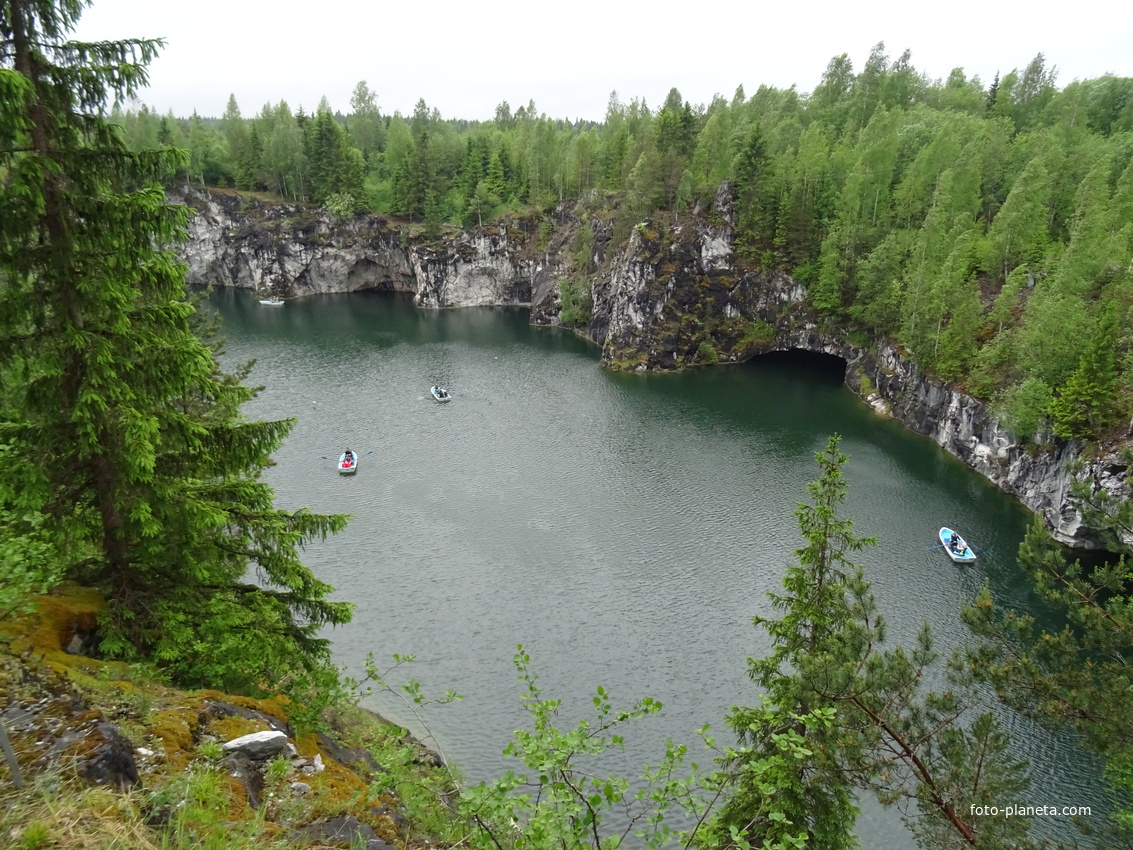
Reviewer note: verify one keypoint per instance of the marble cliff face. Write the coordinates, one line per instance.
(666, 297)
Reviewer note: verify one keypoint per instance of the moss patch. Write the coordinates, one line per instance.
(56, 619)
(58, 702)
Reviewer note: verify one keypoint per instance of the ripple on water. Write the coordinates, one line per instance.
(624, 528)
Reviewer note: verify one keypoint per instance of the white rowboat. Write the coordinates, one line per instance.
(955, 546)
(345, 468)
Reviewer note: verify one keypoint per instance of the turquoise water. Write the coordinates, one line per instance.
(624, 528)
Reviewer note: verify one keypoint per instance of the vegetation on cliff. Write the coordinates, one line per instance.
(987, 229)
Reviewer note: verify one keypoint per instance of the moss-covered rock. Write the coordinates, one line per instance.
(76, 722)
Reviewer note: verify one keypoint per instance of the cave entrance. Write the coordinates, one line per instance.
(816, 364)
(366, 275)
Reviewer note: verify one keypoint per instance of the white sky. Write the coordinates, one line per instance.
(465, 58)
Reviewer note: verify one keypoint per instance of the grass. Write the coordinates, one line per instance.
(187, 800)
(50, 814)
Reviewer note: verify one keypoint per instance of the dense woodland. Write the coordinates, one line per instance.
(988, 230)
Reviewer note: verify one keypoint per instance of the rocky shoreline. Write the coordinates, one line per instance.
(75, 721)
(669, 297)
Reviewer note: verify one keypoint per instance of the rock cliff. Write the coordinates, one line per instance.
(670, 296)
(291, 251)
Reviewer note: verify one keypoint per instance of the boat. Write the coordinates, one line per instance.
(954, 545)
(440, 393)
(274, 300)
(348, 468)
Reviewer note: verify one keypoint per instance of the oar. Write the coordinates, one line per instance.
(941, 546)
(324, 457)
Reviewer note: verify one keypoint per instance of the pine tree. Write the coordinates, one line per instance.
(1079, 674)
(993, 93)
(886, 732)
(134, 434)
(239, 142)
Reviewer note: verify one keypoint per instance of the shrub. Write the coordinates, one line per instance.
(758, 333)
(706, 354)
(575, 303)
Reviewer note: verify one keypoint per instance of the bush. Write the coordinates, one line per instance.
(575, 303)
(706, 354)
(341, 205)
(758, 333)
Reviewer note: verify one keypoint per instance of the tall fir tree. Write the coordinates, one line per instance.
(116, 411)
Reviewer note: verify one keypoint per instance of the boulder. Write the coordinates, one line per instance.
(258, 746)
(345, 830)
(219, 708)
(243, 770)
(111, 761)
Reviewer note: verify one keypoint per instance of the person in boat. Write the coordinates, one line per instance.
(957, 545)
(348, 460)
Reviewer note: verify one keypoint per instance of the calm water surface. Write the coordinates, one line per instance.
(624, 528)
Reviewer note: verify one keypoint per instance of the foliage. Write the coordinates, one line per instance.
(575, 302)
(706, 354)
(1082, 410)
(33, 562)
(1027, 406)
(410, 693)
(120, 424)
(759, 332)
(341, 205)
(563, 802)
(1079, 673)
(885, 732)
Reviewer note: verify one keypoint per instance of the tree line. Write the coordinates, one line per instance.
(988, 230)
(129, 466)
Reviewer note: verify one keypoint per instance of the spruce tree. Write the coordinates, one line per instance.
(115, 411)
(1084, 408)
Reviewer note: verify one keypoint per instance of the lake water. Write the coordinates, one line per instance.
(624, 528)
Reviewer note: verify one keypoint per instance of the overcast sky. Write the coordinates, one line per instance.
(465, 58)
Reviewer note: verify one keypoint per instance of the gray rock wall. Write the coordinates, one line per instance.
(659, 299)
(292, 251)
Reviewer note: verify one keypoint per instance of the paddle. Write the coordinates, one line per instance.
(930, 548)
(356, 454)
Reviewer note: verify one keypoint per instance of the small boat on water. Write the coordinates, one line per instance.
(440, 393)
(348, 466)
(955, 546)
(274, 301)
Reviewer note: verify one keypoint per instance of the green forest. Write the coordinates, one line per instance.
(988, 230)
